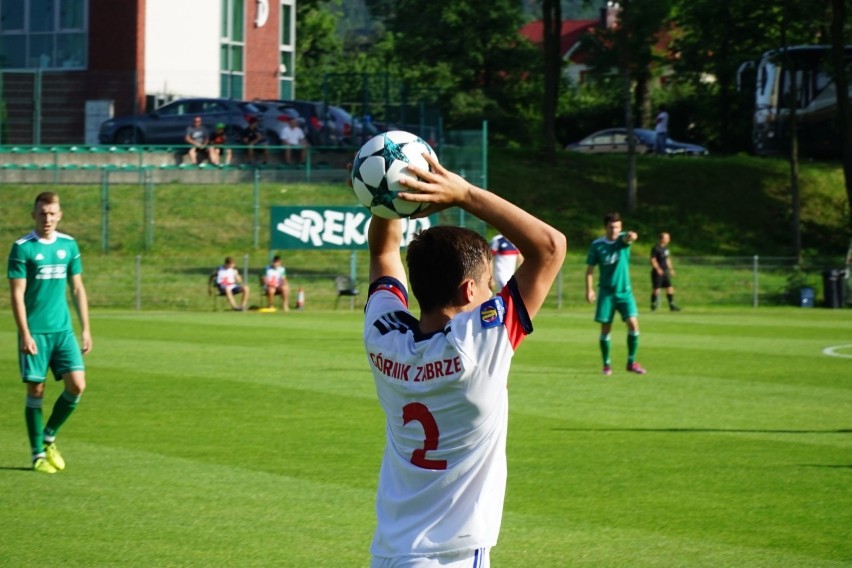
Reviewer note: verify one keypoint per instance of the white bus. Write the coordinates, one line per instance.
(816, 108)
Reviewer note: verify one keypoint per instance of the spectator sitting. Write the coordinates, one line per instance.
(218, 148)
(254, 136)
(292, 136)
(229, 282)
(275, 282)
(197, 137)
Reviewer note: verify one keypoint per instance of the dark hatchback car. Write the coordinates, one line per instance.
(614, 140)
(167, 125)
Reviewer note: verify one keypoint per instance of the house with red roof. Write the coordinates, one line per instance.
(569, 42)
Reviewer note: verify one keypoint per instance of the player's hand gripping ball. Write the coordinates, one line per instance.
(379, 165)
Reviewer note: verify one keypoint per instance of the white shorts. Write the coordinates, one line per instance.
(479, 558)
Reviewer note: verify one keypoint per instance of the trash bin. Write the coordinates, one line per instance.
(834, 287)
(806, 297)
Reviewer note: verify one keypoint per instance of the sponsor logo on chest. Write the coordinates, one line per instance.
(51, 271)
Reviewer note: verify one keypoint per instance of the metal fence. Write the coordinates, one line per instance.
(147, 232)
(67, 106)
(180, 282)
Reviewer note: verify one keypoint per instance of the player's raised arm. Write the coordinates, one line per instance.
(384, 237)
(542, 246)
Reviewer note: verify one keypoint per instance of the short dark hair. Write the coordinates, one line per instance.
(45, 197)
(440, 258)
(228, 260)
(612, 216)
(276, 258)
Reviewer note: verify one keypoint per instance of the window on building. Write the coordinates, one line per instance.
(43, 34)
(287, 67)
(231, 75)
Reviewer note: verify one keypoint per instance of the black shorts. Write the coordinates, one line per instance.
(660, 281)
(235, 289)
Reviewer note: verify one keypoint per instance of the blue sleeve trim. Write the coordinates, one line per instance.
(385, 282)
(520, 308)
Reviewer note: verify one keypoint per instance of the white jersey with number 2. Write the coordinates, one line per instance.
(443, 475)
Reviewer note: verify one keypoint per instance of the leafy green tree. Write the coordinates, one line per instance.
(465, 56)
(713, 38)
(552, 76)
(628, 47)
(840, 34)
(319, 49)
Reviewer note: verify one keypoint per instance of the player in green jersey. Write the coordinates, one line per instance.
(612, 254)
(41, 265)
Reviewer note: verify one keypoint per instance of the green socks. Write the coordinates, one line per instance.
(35, 428)
(64, 407)
(605, 346)
(632, 346)
(37, 432)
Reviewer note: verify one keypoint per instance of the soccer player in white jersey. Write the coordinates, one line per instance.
(441, 379)
(506, 260)
(41, 265)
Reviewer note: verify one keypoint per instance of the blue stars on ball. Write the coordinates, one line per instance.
(383, 196)
(392, 151)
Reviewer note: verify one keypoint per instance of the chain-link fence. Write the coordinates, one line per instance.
(180, 282)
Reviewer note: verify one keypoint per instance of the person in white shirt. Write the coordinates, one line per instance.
(662, 129)
(275, 282)
(229, 282)
(506, 260)
(441, 380)
(293, 137)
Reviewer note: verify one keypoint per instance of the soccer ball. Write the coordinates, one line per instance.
(379, 165)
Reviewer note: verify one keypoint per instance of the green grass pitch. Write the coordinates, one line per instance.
(243, 439)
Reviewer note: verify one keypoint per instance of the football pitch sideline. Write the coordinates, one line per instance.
(245, 439)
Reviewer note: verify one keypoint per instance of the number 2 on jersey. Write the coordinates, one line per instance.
(417, 412)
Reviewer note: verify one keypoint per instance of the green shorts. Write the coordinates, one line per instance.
(57, 351)
(609, 303)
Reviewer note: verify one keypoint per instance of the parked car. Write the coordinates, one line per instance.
(345, 127)
(614, 140)
(168, 124)
(275, 116)
(323, 127)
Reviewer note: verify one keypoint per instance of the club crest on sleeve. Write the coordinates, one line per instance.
(492, 312)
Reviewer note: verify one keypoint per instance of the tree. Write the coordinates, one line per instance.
(466, 56)
(319, 50)
(795, 203)
(841, 79)
(714, 38)
(552, 23)
(628, 47)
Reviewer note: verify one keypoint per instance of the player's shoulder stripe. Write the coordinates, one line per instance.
(27, 238)
(400, 321)
(64, 236)
(403, 322)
